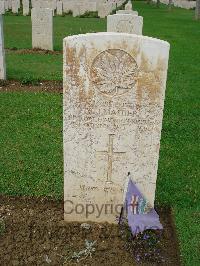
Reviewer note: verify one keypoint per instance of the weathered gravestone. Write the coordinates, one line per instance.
(15, 6)
(127, 12)
(42, 28)
(79, 9)
(6, 5)
(59, 8)
(2, 52)
(9, 4)
(128, 6)
(45, 4)
(120, 2)
(104, 10)
(87, 5)
(125, 23)
(25, 4)
(68, 5)
(2, 7)
(114, 90)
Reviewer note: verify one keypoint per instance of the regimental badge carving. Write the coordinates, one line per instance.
(113, 72)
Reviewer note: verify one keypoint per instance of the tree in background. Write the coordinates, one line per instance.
(197, 11)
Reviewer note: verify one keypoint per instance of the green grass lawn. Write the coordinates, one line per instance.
(18, 35)
(18, 29)
(31, 123)
(34, 66)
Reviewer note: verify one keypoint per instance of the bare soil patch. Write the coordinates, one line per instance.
(40, 86)
(32, 51)
(35, 234)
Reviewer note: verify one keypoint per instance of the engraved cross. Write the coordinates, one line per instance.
(110, 157)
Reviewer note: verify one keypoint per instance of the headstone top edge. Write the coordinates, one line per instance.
(125, 15)
(41, 8)
(112, 34)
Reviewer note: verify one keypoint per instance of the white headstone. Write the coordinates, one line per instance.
(6, 5)
(35, 3)
(68, 5)
(25, 4)
(2, 7)
(15, 6)
(42, 28)
(120, 2)
(59, 8)
(45, 4)
(92, 6)
(76, 10)
(54, 4)
(9, 4)
(104, 10)
(125, 23)
(129, 6)
(127, 12)
(2, 52)
(80, 8)
(114, 90)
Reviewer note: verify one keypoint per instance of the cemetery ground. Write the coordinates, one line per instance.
(31, 124)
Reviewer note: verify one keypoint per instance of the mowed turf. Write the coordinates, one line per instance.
(18, 29)
(31, 123)
(44, 67)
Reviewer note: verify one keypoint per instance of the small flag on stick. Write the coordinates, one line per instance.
(140, 214)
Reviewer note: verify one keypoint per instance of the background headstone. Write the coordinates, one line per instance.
(68, 5)
(114, 90)
(25, 4)
(79, 9)
(2, 52)
(125, 23)
(59, 8)
(2, 7)
(6, 5)
(76, 10)
(127, 12)
(129, 6)
(9, 4)
(104, 10)
(42, 28)
(15, 6)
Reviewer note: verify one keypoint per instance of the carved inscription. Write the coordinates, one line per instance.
(113, 72)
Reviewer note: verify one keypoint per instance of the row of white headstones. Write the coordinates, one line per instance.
(42, 25)
(42, 28)
(113, 100)
(77, 7)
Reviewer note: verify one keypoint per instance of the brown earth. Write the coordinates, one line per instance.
(35, 234)
(31, 51)
(43, 86)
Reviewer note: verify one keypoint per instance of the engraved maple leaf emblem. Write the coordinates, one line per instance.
(113, 72)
